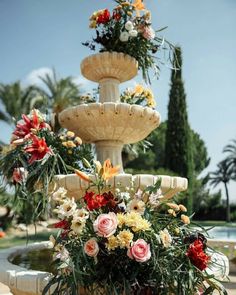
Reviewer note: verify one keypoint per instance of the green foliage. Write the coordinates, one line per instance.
(230, 149)
(223, 174)
(200, 155)
(178, 148)
(58, 94)
(16, 100)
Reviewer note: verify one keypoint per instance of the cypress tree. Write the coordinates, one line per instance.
(178, 147)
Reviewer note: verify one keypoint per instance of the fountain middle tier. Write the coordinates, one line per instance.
(110, 125)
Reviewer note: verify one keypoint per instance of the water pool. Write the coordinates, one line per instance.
(223, 233)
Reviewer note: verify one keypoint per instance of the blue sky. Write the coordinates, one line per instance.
(37, 35)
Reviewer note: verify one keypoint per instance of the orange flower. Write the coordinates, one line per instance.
(108, 170)
(138, 5)
(82, 175)
(2, 234)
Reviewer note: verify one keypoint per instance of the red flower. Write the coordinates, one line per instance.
(116, 15)
(64, 224)
(23, 129)
(104, 17)
(19, 175)
(38, 149)
(197, 255)
(97, 201)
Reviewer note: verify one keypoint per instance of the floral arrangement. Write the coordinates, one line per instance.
(128, 29)
(127, 242)
(35, 155)
(139, 95)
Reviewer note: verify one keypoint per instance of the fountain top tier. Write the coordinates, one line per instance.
(113, 65)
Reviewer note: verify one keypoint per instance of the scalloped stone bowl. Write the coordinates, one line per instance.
(110, 121)
(115, 65)
(76, 187)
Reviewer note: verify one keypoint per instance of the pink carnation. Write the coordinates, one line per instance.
(148, 33)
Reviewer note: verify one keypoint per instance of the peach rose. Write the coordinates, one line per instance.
(91, 247)
(105, 225)
(140, 251)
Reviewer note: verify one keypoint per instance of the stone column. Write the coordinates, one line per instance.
(107, 149)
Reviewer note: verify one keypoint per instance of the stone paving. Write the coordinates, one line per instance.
(231, 287)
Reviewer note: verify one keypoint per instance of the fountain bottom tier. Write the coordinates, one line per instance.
(76, 187)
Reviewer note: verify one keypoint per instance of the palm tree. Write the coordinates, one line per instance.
(223, 174)
(16, 100)
(231, 158)
(59, 93)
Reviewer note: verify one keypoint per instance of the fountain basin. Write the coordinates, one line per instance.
(110, 121)
(76, 186)
(115, 65)
(20, 280)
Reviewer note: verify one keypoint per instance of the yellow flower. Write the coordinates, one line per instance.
(173, 206)
(121, 219)
(70, 152)
(93, 24)
(70, 134)
(185, 219)
(177, 231)
(70, 144)
(147, 15)
(182, 208)
(64, 143)
(136, 222)
(138, 89)
(141, 225)
(125, 237)
(172, 212)
(62, 137)
(78, 140)
(113, 243)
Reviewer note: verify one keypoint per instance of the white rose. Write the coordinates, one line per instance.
(124, 36)
(129, 26)
(133, 33)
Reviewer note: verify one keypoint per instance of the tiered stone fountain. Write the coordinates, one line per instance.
(110, 124)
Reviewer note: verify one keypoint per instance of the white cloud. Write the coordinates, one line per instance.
(33, 78)
(84, 84)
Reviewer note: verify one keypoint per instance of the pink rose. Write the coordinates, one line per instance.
(91, 248)
(140, 251)
(105, 225)
(148, 33)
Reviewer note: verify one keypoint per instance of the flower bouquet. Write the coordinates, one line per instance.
(127, 242)
(139, 95)
(128, 29)
(35, 155)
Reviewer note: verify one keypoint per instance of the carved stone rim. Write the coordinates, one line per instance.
(116, 65)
